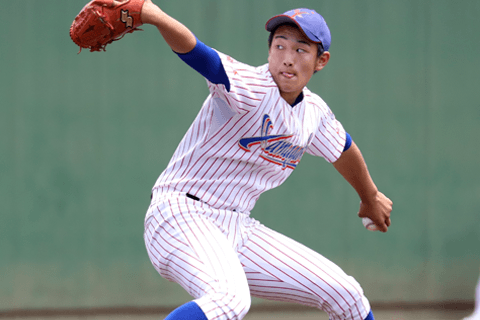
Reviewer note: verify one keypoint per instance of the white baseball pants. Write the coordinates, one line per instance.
(223, 257)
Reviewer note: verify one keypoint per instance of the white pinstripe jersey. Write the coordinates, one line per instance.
(247, 141)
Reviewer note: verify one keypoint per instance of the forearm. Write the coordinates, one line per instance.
(197, 55)
(176, 35)
(352, 167)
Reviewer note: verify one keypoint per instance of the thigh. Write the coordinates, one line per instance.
(280, 268)
(264, 285)
(186, 247)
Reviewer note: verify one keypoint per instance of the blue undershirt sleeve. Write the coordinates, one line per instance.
(207, 62)
(348, 143)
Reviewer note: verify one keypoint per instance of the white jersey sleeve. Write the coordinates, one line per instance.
(247, 85)
(330, 138)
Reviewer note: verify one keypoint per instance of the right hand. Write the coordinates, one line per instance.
(378, 209)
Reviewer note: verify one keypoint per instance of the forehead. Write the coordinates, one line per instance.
(291, 33)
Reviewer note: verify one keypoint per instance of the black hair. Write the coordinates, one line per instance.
(320, 49)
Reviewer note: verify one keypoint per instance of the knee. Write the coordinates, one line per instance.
(224, 306)
(347, 302)
(234, 306)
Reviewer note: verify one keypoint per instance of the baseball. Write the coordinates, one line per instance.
(369, 224)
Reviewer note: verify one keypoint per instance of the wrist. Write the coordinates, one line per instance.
(369, 197)
(150, 13)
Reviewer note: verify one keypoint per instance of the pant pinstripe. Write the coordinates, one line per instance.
(222, 257)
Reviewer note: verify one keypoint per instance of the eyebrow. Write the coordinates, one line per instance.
(299, 41)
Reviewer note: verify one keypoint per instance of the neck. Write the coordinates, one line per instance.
(291, 98)
(297, 100)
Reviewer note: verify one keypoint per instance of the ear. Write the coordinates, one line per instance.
(322, 61)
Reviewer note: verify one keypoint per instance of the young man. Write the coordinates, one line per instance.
(249, 135)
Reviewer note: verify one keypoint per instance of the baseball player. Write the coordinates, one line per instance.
(250, 134)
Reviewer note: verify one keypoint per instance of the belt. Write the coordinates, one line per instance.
(192, 197)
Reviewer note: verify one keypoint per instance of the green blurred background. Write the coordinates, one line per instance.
(84, 137)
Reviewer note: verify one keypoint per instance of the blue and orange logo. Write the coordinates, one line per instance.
(276, 149)
(298, 13)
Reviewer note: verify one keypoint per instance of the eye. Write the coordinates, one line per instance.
(279, 46)
(300, 50)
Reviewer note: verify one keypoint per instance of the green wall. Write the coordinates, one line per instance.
(84, 137)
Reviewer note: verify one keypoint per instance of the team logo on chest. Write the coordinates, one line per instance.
(275, 148)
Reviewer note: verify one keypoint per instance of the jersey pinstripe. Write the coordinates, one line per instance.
(247, 141)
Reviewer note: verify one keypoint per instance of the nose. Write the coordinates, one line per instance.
(288, 59)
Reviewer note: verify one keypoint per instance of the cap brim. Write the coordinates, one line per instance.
(275, 21)
(278, 20)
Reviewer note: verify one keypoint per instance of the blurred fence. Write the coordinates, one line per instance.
(84, 137)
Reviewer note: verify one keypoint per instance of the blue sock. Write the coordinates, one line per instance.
(188, 311)
(370, 316)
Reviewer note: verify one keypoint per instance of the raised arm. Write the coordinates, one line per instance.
(374, 204)
(192, 51)
(177, 36)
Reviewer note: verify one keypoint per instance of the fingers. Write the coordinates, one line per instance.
(383, 227)
(378, 211)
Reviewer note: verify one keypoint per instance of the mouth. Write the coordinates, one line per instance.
(288, 75)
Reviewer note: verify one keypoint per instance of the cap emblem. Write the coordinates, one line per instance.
(298, 13)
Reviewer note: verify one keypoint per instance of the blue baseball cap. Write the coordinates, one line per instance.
(311, 23)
